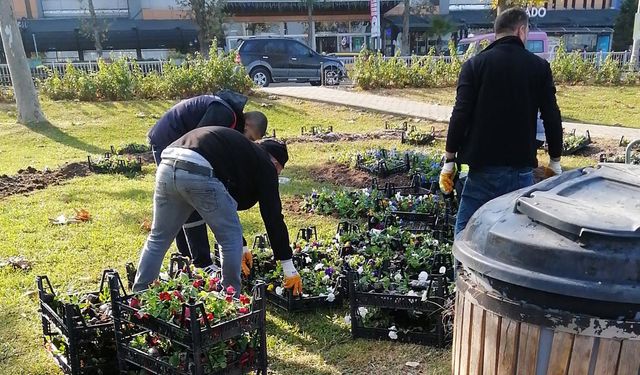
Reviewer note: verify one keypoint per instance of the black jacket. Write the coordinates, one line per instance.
(247, 172)
(499, 94)
(223, 109)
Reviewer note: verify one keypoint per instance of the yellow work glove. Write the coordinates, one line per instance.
(247, 261)
(446, 177)
(292, 279)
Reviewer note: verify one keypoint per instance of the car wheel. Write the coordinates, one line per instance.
(260, 77)
(331, 77)
(315, 83)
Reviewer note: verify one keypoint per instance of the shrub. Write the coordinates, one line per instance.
(124, 80)
(6, 94)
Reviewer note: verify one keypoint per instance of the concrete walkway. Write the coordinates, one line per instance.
(412, 108)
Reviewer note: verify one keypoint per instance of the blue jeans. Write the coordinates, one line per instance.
(177, 194)
(192, 241)
(485, 184)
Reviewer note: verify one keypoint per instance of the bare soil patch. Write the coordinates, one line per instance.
(343, 175)
(30, 179)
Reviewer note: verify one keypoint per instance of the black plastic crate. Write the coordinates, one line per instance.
(118, 165)
(89, 348)
(573, 149)
(291, 303)
(381, 168)
(426, 139)
(404, 126)
(435, 308)
(194, 339)
(316, 130)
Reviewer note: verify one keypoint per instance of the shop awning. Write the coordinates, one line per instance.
(571, 18)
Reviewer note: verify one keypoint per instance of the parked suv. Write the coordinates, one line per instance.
(269, 59)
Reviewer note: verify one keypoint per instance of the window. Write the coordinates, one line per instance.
(535, 46)
(275, 47)
(297, 49)
(253, 46)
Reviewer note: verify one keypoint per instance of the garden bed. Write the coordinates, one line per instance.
(30, 179)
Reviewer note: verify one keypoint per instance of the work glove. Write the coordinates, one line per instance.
(247, 261)
(446, 177)
(554, 165)
(292, 279)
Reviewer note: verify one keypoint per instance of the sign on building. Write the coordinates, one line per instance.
(374, 5)
(537, 12)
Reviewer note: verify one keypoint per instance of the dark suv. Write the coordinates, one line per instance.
(269, 59)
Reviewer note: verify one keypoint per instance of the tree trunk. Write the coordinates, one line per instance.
(97, 37)
(25, 92)
(204, 43)
(312, 28)
(501, 7)
(406, 48)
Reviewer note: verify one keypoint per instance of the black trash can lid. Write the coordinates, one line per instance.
(577, 234)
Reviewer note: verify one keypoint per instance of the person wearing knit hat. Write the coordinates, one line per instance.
(224, 109)
(217, 171)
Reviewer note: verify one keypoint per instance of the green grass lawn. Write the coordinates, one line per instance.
(588, 104)
(73, 256)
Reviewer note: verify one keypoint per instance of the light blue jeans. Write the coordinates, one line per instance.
(177, 194)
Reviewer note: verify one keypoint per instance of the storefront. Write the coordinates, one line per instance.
(341, 26)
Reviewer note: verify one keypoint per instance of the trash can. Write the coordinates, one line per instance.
(550, 282)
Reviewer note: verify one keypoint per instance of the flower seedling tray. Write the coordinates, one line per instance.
(382, 167)
(573, 143)
(404, 126)
(195, 339)
(316, 130)
(418, 138)
(434, 306)
(290, 303)
(110, 163)
(78, 346)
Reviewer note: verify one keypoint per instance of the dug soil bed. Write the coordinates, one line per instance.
(30, 179)
(343, 175)
(350, 137)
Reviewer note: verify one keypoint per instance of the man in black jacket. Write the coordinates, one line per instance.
(225, 108)
(217, 171)
(493, 124)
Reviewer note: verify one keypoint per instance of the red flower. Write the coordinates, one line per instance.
(231, 290)
(229, 299)
(243, 310)
(187, 313)
(198, 283)
(178, 295)
(164, 296)
(213, 283)
(210, 317)
(141, 315)
(134, 302)
(245, 300)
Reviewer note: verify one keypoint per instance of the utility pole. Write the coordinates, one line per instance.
(636, 40)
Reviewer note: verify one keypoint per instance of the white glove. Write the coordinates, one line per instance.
(554, 165)
(288, 268)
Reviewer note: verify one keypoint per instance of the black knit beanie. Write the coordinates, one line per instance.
(276, 149)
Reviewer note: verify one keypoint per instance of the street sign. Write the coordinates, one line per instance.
(374, 6)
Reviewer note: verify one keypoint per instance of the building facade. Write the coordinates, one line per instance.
(152, 29)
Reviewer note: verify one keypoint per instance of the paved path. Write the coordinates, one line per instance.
(412, 108)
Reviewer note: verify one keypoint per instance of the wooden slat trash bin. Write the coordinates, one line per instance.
(550, 279)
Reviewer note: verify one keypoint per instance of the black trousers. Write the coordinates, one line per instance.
(192, 241)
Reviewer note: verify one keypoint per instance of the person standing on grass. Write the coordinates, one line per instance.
(216, 171)
(493, 124)
(223, 109)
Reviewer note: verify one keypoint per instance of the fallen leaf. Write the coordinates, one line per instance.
(146, 225)
(82, 215)
(413, 364)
